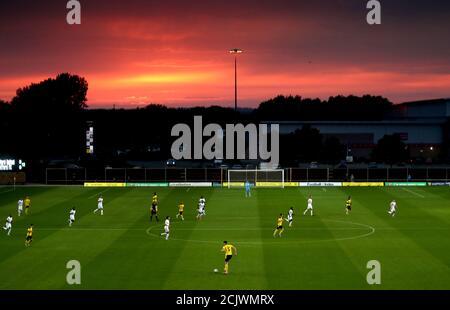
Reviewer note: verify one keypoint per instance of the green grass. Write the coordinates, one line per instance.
(123, 250)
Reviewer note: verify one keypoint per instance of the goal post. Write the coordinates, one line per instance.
(258, 178)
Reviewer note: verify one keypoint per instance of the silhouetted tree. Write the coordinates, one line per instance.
(332, 151)
(390, 150)
(303, 145)
(5, 118)
(47, 117)
(5, 109)
(66, 93)
(336, 108)
(445, 153)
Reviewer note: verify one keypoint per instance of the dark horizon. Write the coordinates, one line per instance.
(128, 107)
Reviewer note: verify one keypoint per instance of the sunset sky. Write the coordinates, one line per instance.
(171, 52)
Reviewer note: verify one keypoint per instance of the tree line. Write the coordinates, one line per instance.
(47, 120)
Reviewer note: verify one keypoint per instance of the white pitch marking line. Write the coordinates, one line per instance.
(239, 229)
(250, 243)
(414, 193)
(197, 229)
(101, 192)
(7, 191)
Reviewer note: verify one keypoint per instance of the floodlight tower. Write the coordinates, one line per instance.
(235, 52)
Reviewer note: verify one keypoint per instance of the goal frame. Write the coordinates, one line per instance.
(255, 181)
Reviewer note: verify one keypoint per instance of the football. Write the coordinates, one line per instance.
(216, 270)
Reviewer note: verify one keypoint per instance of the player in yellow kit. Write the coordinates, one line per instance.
(154, 207)
(279, 230)
(228, 249)
(180, 211)
(29, 235)
(348, 205)
(27, 203)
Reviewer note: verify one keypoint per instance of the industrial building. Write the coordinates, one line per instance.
(422, 125)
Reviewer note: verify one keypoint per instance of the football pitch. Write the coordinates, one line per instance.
(124, 250)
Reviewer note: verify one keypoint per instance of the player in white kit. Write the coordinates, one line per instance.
(166, 228)
(202, 201)
(99, 205)
(8, 225)
(200, 211)
(19, 207)
(72, 216)
(310, 206)
(290, 216)
(392, 208)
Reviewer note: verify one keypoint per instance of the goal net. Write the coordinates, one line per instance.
(259, 178)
